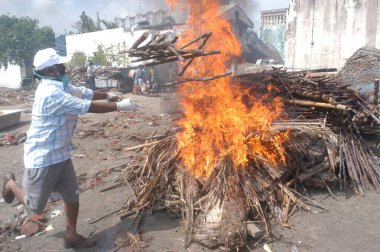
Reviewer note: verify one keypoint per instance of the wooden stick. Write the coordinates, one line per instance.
(112, 187)
(130, 213)
(196, 79)
(376, 92)
(317, 104)
(106, 215)
(191, 60)
(171, 48)
(146, 144)
(175, 58)
(141, 39)
(197, 39)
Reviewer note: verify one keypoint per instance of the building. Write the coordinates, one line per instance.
(273, 29)
(325, 33)
(10, 77)
(239, 21)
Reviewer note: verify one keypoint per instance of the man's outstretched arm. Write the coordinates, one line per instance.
(106, 106)
(102, 106)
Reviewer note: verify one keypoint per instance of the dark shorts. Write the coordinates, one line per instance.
(39, 183)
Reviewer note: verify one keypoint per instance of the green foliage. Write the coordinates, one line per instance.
(117, 59)
(109, 24)
(109, 56)
(100, 57)
(21, 38)
(78, 59)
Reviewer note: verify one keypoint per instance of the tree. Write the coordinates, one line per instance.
(109, 24)
(116, 58)
(21, 38)
(100, 57)
(110, 56)
(79, 59)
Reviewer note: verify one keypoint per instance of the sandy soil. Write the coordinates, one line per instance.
(351, 224)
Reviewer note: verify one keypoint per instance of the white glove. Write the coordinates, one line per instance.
(127, 105)
(112, 97)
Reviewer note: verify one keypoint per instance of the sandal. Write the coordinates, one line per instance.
(8, 195)
(81, 242)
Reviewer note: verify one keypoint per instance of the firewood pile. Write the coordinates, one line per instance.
(319, 97)
(326, 123)
(79, 74)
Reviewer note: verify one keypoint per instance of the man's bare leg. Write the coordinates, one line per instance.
(16, 189)
(73, 239)
(72, 210)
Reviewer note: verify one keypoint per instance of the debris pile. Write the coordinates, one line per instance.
(79, 74)
(361, 68)
(7, 139)
(10, 96)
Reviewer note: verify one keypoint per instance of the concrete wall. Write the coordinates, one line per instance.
(11, 77)
(325, 33)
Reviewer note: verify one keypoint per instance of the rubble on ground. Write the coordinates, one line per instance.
(362, 68)
(12, 138)
(79, 74)
(9, 96)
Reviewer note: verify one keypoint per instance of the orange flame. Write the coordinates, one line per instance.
(217, 122)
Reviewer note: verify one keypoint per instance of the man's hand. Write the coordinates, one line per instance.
(127, 105)
(112, 97)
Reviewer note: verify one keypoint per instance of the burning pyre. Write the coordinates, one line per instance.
(234, 158)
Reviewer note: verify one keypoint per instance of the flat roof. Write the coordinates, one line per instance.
(274, 11)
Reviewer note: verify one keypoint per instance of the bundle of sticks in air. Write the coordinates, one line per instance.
(160, 49)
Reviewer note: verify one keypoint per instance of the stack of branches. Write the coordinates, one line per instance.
(326, 134)
(349, 117)
(79, 74)
(313, 97)
(160, 49)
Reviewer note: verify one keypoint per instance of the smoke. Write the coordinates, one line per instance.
(149, 5)
(248, 5)
(155, 5)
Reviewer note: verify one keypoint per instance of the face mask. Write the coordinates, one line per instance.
(65, 79)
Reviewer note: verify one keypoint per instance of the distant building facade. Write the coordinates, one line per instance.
(273, 29)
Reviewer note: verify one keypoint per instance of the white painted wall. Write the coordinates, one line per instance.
(11, 77)
(325, 33)
(88, 42)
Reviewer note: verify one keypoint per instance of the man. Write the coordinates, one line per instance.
(91, 75)
(47, 159)
(140, 75)
(84, 22)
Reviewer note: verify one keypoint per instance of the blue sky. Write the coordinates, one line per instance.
(61, 14)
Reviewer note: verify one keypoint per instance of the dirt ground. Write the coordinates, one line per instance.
(350, 224)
